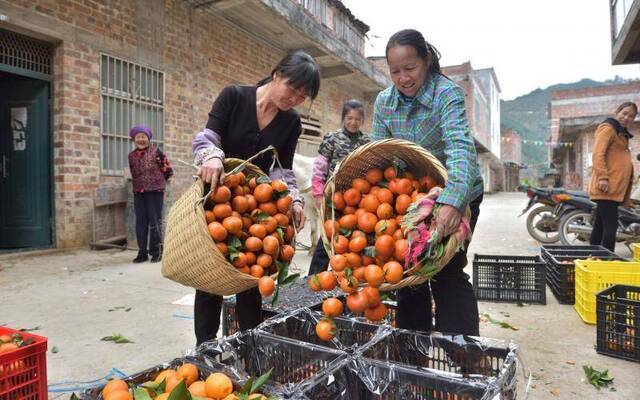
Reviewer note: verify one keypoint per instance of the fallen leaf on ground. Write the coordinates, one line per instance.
(116, 338)
(571, 362)
(555, 392)
(54, 349)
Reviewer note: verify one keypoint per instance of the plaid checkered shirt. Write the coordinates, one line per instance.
(436, 120)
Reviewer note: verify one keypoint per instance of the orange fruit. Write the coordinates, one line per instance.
(327, 280)
(332, 307)
(172, 382)
(392, 272)
(271, 246)
(263, 192)
(384, 211)
(256, 271)
(287, 252)
(283, 204)
(356, 302)
(266, 286)
(366, 260)
(5, 339)
(404, 186)
(314, 283)
(253, 183)
(198, 389)
(253, 243)
(400, 250)
(398, 234)
(270, 224)
(357, 244)
(402, 203)
(189, 372)
(374, 275)
(279, 185)
(372, 295)
(222, 194)
(218, 385)
(282, 219)
(258, 231)
(353, 260)
(341, 244)
(390, 173)
(289, 233)
(384, 195)
(250, 257)
(348, 284)
(367, 222)
(338, 201)
(427, 182)
(209, 216)
(268, 207)
(374, 176)
(331, 228)
(233, 225)
(252, 203)
(240, 204)
(338, 262)
(246, 223)
(113, 385)
(349, 210)
(361, 185)
(376, 313)
(326, 329)
(164, 375)
(385, 246)
(240, 261)
(119, 395)
(237, 191)
(348, 221)
(358, 272)
(264, 260)
(161, 396)
(386, 227)
(352, 197)
(217, 231)
(370, 203)
(358, 233)
(224, 249)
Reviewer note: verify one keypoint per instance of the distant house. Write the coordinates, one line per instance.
(625, 31)
(574, 116)
(511, 158)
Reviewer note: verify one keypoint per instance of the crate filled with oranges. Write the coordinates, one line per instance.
(233, 237)
(378, 215)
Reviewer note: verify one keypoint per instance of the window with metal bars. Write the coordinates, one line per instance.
(130, 94)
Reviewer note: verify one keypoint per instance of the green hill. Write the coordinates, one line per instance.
(527, 114)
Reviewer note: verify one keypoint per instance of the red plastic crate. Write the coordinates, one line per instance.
(23, 372)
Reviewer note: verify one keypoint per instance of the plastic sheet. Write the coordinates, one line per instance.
(150, 373)
(300, 325)
(255, 353)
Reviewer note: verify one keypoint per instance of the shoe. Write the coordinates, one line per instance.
(156, 259)
(141, 258)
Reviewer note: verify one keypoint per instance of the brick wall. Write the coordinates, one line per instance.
(199, 54)
(511, 146)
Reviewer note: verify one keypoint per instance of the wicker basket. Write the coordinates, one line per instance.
(190, 256)
(381, 154)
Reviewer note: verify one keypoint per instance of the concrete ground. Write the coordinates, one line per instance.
(69, 295)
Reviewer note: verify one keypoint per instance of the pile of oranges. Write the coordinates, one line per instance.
(249, 219)
(217, 386)
(368, 242)
(8, 344)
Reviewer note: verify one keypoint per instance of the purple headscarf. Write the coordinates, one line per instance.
(140, 129)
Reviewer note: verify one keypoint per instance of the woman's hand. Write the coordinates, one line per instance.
(211, 171)
(603, 185)
(298, 215)
(447, 220)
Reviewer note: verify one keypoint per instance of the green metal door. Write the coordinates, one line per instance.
(25, 164)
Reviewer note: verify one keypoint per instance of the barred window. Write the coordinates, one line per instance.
(311, 127)
(130, 95)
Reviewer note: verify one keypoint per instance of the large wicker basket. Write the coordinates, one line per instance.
(381, 154)
(190, 256)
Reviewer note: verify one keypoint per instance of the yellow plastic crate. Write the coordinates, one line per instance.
(635, 247)
(593, 277)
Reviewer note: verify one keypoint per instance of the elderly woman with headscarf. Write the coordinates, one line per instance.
(150, 170)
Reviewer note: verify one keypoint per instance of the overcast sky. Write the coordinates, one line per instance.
(531, 44)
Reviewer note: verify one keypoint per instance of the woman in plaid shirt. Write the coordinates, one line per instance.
(427, 108)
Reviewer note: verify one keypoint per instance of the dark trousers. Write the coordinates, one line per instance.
(148, 207)
(606, 224)
(456, 304)
(320, 259)
(207, 308)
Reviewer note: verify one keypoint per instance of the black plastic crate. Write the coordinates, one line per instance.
(561, 268)
(509, 279)
(437, 367)
(254, 353)
(292, 297)
(300, 325)
(149, 374)
(618, 322)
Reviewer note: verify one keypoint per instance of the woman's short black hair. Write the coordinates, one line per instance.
(413, 38)
(300, 70)
(352, 104)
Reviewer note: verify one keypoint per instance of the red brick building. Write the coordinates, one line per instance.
(574, 116)
(511, 157)
(76, 75)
